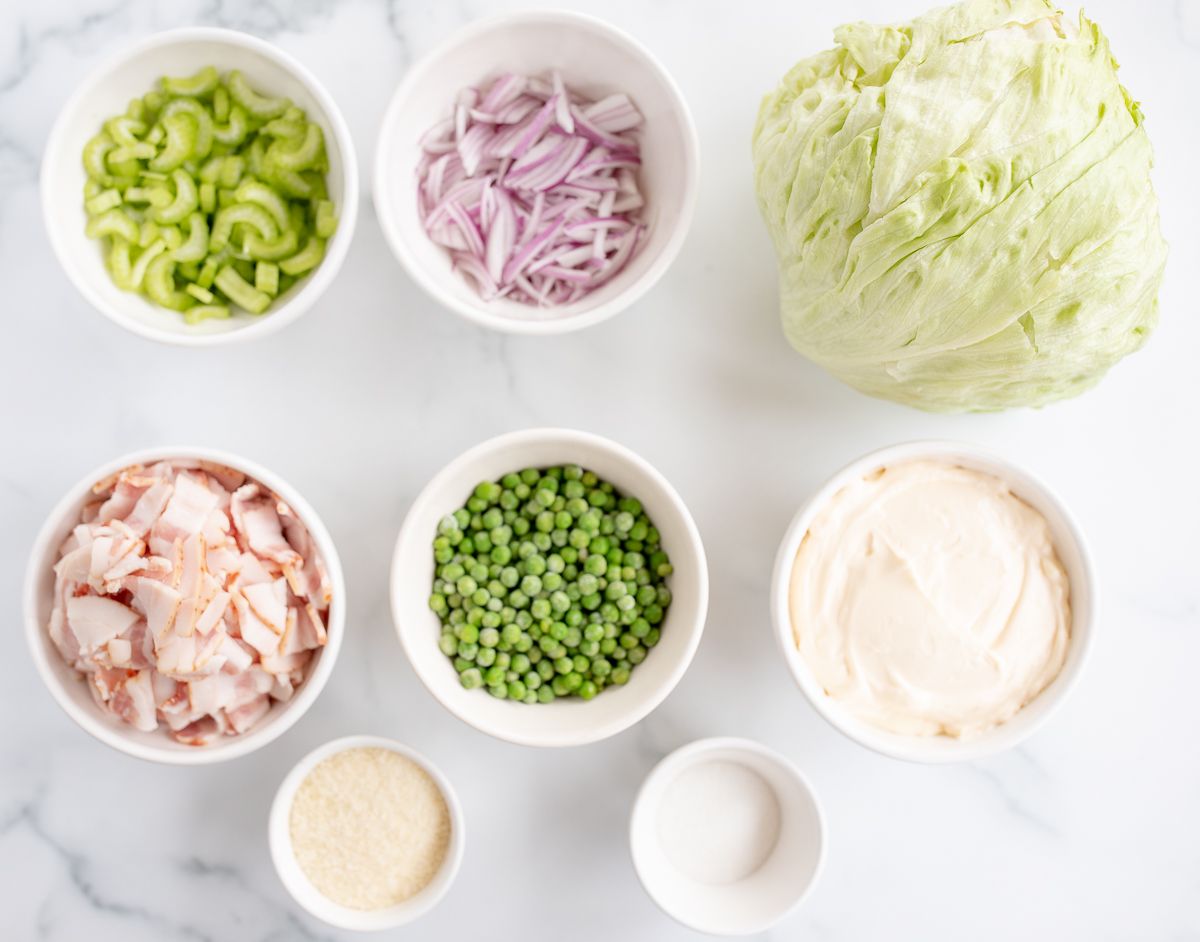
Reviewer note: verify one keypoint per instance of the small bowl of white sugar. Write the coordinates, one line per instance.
(727, 836)
(366, 834)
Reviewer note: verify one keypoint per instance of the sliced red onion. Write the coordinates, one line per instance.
(532, 188)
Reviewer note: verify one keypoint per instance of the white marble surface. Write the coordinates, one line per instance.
(1090, 832)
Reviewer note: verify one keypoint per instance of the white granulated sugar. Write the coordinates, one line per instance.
(369, 828)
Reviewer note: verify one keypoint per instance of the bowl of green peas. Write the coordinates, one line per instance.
(200, 187)
(549, 587)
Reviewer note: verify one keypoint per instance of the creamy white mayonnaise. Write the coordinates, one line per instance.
(928, 599)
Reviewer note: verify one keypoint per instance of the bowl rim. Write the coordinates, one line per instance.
(88, 718)
(914, 748)
(280, 843)
(567, 437)
(640, 817)
(316, 282)
(477, 312)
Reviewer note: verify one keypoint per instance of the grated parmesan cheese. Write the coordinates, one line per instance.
(369, 827)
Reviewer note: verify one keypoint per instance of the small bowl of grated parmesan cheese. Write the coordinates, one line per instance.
(366, 834)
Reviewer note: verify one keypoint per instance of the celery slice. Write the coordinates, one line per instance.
(302, 155)
(220, 104)
(185, 202)
(149, 254)
(102, 202)
(203, 143)
(203, 295)
(256, 105)
(200, 85)
(160, 284)
(326, 219)
(233, 169)
(235, 130)
(95, 155)
(203, 312)
(196, 246)
(241, 292)
(114, 222)
(181, 141)
(266, 277)
(306, 259)
(208, 273)
(263, 250)
(208, 198)
(247, 214)
(259, 194)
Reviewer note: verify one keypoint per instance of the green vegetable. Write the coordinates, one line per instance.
(962, 208)
(524, 618)
(209, 195)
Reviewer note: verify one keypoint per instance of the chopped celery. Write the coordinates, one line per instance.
(114, 222)
(160, 284)
(255, 104)
(181, 142)
(154, 195)
(203, 312)
(233, 168)
(102, 202)
(220, 104)
(266, 251)
(247, 214)
(149, 254)
(233, 131)
(149, 233)
(200, 85)
(196, 246)
(301, 155)
(259, 194)
(306, 259)
(204, 124)
(326, 221)
(241, 292)
(266, 277)
(128, 152)
(208, 273)
(203, 295)
(206, 189)
(185, 202)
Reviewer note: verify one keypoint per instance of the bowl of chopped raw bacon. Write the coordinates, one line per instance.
(184, 605)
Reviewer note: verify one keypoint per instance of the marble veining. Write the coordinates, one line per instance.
(1087, 832)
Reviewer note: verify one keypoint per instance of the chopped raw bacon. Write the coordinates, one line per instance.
(191, 597)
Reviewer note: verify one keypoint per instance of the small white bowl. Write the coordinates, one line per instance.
(1072, 551)
(594, 58)
(565, 721)
(308, 896)
(107, 92)
(758, 900)
(69, 688)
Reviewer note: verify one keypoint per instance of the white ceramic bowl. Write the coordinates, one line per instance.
(69, 688)
(594, 58)
(566, 721)
(308, 896)
(1072, 551)
(757, 901)
(107, 92)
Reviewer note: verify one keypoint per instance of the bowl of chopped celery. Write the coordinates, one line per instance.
(200, 187)
(573, 612)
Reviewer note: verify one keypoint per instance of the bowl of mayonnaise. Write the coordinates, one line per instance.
(934, 602)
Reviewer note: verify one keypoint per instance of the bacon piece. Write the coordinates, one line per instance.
(248, 714)
(259, 527)
(186, 511)
(133, 701)
(94, 620)
(149, 508)
(202, 732)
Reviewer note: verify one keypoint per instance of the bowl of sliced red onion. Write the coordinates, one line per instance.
(184, 605)
(537, 172)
